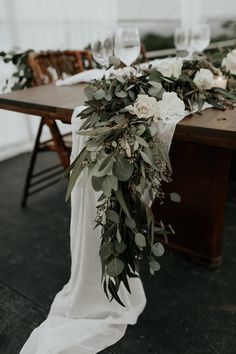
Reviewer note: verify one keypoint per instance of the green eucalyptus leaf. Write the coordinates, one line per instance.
(120, 79)
(140, 129)
(132, 95)
(154, 266)
(119, 247)
(155, 84)
(97, 183)
(147, 159)
(120, 198)
(113, 290)
(106, 250)
(110, 231)
(122, 169)
(106, 186)
(130, 87)
(121, 94)
(153, 91)
(155, 75)
(115, 267)
(130, 223)
(141, 141)
(158, 249)
(136, 145)
(89, 91)
(175, 197)
(140, 240)
(118, 235)
(113, 216)
(105, 169)
(125, 281)
(108, 96)
(77, 169)
(93, 146)
(99, 94)
(113, 182)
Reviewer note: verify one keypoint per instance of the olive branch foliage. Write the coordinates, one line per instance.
(126, 162)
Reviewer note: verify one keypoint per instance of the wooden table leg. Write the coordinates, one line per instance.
(200, 176)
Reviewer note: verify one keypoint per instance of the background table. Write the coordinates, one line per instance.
(200, 156)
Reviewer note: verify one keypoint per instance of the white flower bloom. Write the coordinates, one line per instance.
(126, 71)
(229, 62)
(177, 67)
(171, 68)
(165, 68)
(144, 107)
(171, 106)
(204, 79)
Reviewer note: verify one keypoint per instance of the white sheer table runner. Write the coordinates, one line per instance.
(97, 74)
(81, 319)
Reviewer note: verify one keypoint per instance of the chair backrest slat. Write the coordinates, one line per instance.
(49, 66)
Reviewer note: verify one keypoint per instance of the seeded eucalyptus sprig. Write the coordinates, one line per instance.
(128, 163)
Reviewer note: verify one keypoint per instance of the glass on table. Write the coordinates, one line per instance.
(127, 45)
(182, 38)
(102, 48)
(200, 37)
(193, 39)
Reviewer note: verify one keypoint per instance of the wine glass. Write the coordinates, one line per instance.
(182, 38)
(127, 45)
(200, 37)
(102, 48)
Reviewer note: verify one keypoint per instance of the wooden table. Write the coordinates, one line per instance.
(200, 156)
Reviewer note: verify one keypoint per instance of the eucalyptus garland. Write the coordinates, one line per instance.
(126, 161)
(22, 76)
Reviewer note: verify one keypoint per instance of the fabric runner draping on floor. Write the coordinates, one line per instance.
(81, 319)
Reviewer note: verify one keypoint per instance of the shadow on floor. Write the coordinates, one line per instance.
(190, 310)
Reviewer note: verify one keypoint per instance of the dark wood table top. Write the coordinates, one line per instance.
(212, 127)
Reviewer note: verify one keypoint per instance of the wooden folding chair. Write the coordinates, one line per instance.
(47, 67)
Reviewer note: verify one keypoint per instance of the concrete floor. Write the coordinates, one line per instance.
(190, 310)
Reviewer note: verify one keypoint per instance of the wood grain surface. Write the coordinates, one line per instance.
(212, 127)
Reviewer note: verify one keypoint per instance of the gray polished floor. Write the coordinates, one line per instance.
(190, 310)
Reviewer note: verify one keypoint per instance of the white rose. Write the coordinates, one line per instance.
(229, 62)
(170, 106)
(171, 68)
(165, 68)
(204, 79)
(144, 107)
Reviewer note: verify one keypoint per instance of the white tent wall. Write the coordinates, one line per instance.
(53, 24)
(162, 16)
(60, 24)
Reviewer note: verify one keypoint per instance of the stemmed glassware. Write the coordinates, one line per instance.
(182, 38)
(102, 48)
(127, 45)
(200, 37)
(196, 38)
